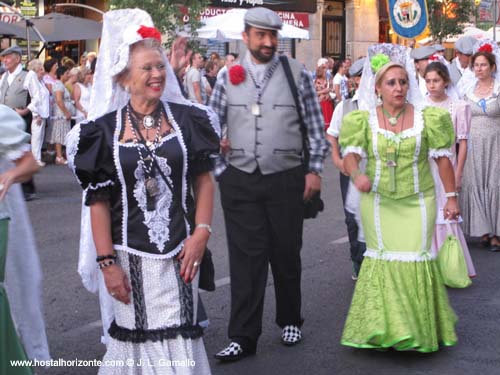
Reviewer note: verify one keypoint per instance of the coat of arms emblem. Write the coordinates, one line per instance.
(407, 13)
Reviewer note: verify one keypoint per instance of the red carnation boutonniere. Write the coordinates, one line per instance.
(237, 74)
(485, 48)
(149, 32)
(434, 58)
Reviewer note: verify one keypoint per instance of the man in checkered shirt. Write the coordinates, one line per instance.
(264, 181)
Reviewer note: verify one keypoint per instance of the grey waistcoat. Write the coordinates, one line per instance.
(272, 141)
(455, 74)
(14, 96)
(348, 106)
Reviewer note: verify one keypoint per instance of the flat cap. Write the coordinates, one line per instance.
(263, 18)
(439, 47)
(422, 53)
(13, 49)
(465, 45)
(356, 68)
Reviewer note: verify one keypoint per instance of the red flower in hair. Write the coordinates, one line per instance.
(149, 32)
(486, 48)
(434, 58)
(237, 74)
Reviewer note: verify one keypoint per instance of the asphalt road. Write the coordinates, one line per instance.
(72, 313)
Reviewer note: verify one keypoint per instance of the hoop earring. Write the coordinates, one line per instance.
(379, 99)
(127, 89)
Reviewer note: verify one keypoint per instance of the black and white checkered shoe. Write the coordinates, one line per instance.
(232, 353)
(291, 335)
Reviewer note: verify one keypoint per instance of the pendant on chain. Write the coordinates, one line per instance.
(152, 187)
(393, 120)
(148, 121)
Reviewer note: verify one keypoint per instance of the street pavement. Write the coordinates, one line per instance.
(73, 321)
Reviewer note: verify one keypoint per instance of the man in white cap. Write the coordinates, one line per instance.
(421, 57)
(21, 91)
(266, 183)
(461, 63)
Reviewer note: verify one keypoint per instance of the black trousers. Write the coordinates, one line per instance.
(264, 219)
(357, 248)
(28, 186)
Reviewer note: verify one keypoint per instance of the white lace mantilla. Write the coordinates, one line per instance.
(158, 220)
(399, 256)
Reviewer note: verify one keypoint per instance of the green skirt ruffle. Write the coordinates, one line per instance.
(400, 305)
(10, 345)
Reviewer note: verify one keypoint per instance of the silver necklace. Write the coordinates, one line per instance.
(150, 182)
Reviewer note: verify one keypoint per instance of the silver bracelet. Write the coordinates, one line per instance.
(206, 226)
(451, 194)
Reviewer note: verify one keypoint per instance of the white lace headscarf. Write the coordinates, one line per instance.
(399, 55)
(107, 95)
(469, 80)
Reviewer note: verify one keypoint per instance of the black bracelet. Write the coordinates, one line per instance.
(100, 258)
(105, 263)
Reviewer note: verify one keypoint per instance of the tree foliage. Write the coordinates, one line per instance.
(169, 16)
(447, 17)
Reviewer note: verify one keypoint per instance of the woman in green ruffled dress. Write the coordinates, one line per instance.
(400, 300)
(16, 165)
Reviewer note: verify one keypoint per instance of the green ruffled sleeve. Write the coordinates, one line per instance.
(439, 131)
(13, 140)
(354, 133)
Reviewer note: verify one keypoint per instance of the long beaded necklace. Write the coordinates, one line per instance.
(150, 182)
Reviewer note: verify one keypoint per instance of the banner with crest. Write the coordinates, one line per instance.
(408, 18)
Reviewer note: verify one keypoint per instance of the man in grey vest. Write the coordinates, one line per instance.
(421, 58)
(357, 246)
(264, 187)
(19, 90)
(461, 63)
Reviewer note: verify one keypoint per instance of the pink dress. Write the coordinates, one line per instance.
(461, 115)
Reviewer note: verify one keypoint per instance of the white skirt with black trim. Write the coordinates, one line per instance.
(157, 332)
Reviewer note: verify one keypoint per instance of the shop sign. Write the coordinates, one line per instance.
(297, 19)
(28, 8)
(308, 6)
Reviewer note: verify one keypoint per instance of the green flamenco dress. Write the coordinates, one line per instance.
(400, 300)
(10, 345)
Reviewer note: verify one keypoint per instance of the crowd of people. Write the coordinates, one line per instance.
(413, 136)
(54, 96)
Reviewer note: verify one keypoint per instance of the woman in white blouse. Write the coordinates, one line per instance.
(41, 113)
(81, 93)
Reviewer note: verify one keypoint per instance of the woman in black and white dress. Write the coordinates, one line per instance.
(137, 162)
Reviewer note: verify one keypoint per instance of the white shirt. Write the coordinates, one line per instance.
(38, 105)
(221, 71)
(194, 75)
(337, 117)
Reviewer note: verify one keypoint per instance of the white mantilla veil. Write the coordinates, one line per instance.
(469, 80)
(119, 32)
(397, 54)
